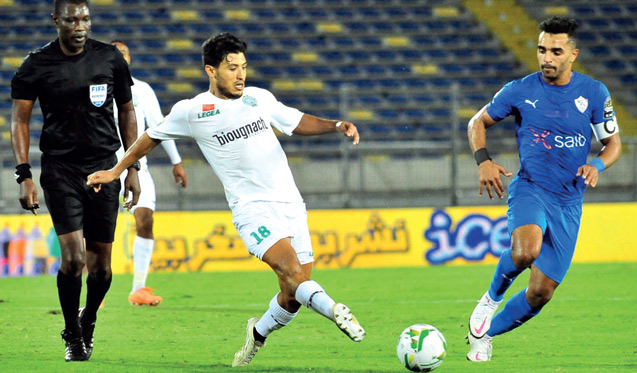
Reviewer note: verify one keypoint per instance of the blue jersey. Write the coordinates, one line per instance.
(554, 129)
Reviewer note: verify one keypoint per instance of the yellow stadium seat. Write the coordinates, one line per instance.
(180, 87)
(425, 69)
(361, 114)
(189, 72)
(103, 2)
(6, 3)
(3, 121)
(329, 27)
(396, 41)
(6, 135)
(556, 10)
(237, 14)
(311, 85)
(305, 57)
(180, 44)
(284, 85)
(467, 112)
(12, 61)
(184, 15)
(445, 11)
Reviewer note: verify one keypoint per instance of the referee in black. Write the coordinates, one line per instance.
(76, 80)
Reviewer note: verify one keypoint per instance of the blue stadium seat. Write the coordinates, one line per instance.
(159, 15)
(253, 28)
(149, 29)
(213, 15)
(266, 14)
(305, 28)
(146, 58)
(357, 27)
(397, 99)
(228, 27)
(629, 51)
(359, 56)
(322, 70)
(296, 71)
(348, 70)
(370, 42)
(318, 101)
(369, 100)
(154, 44)
(374, 69)
(279, 28)
(615, 65)
(134, 16)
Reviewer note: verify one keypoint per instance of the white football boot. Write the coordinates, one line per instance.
(244, 356)
(480, 320)
(480, 348)
(347, 322)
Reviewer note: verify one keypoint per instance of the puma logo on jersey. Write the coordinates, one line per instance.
(531, 103)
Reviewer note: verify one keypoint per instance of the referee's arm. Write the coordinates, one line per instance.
(128, 129)
(20, 141)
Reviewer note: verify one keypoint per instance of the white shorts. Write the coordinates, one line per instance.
(146, 183)
(262, 224)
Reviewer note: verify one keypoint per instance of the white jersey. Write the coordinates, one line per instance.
(238, 141)
(148, 114)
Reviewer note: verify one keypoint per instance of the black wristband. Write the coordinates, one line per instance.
(22, 171)
(481, 155)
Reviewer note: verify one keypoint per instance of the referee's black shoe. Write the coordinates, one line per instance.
(88, 327)
(75, 350)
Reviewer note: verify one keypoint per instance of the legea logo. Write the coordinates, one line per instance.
(474, 237)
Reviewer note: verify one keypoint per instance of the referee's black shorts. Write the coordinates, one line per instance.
(73, 205)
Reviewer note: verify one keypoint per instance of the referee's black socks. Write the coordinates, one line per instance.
(69, 289)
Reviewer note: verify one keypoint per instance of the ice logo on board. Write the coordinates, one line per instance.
(475, 236)
(97, 94)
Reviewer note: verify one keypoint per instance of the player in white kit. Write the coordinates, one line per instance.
(148, 115)
(232, 125)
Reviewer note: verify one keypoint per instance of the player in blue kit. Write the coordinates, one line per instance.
(556, 111)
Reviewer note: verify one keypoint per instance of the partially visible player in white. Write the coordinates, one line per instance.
(148, 115)
(233, 127)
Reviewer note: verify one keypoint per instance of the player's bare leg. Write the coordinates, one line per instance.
(296, 289)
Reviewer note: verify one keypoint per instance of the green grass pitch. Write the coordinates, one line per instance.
(590, 325)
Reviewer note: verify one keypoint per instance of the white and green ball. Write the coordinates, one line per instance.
(421, 348)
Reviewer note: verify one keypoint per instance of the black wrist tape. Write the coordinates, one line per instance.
(481, 155)
(22, 171)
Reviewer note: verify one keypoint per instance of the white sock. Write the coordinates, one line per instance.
(142, 251)
(274, 318)
(311, 295)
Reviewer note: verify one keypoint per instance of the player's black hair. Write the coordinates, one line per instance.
(560, 25)
(59, 4)
(218, 47)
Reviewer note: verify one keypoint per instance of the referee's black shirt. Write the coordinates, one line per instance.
(76, 96)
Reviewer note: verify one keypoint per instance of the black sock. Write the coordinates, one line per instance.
(69, 290)
(96, 289)
(258, 337)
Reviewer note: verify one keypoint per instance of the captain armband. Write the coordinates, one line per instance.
(605, 129)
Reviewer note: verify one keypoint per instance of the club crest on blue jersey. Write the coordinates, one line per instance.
(249, 100)
(581, 103)
(97, 94)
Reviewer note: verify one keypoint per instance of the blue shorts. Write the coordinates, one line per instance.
(530, 204)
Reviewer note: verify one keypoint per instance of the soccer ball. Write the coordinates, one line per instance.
(421, 348)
